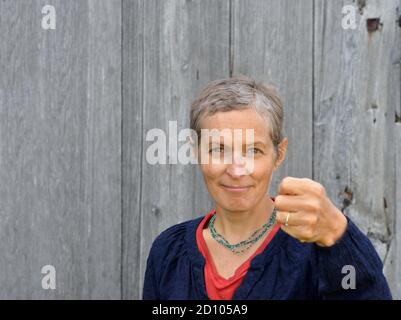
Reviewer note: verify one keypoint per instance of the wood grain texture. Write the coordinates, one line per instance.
(60, 125)
(392, 265)
(168, 57)
(132, 140)
(355, 97)
(283, 61)
(396, 259)
(77, 102)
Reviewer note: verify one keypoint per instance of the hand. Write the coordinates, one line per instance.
(312, 216)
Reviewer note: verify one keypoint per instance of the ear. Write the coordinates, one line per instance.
(282, 151)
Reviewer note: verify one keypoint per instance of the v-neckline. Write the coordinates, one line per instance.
(245, 264)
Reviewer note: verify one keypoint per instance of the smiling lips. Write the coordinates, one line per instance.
(236, 188)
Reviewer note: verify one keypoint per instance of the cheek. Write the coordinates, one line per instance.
(212, 172)
(262, 171)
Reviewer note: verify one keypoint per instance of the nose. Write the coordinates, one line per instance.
(237, 168)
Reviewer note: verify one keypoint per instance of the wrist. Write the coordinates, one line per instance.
(338, 230)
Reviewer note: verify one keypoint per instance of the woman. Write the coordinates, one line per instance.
(296, 245)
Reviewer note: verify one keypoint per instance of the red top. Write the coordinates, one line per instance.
(217, 287)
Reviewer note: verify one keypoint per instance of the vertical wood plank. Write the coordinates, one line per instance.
(132, 140)
(193, 49)
(392, 266)
(179, 48)
(396, 257)
(272, 42)
(60, 145)
(392, 262)
(356, 93)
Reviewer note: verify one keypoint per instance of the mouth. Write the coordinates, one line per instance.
(234, 188)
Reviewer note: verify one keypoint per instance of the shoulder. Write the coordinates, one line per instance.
(176, 232)
(174, 238)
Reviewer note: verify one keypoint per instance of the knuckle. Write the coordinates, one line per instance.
(313, 220)
(285, 181)
(320, 190)
(277, 200)
(313, 206)
(280, 217)
(317, 205)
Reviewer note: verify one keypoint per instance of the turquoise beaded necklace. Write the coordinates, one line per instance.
(244, 245)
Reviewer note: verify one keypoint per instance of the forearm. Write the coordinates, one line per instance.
(350, 269)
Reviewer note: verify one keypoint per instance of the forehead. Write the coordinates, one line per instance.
(238, 119)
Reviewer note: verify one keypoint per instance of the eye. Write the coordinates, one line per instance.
(254, 150)
(217, 149)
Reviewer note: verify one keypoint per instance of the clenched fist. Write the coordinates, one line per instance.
(307, 214)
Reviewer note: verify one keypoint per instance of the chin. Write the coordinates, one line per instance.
(237, 204)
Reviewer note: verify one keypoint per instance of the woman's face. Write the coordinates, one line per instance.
(232, 186)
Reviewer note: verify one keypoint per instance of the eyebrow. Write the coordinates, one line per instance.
(249, 144)
(256, 143)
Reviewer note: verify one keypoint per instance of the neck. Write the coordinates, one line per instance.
(239, 225)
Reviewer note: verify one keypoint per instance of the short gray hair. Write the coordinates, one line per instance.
(236, 93)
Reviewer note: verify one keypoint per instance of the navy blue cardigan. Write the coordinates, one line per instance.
(286, 269)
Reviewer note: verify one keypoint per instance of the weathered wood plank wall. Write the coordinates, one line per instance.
(356, 96)
(168, 57)
(60, 148)
(76, 103)
(284, 61)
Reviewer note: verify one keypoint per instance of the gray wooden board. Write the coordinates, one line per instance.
(356, 95)
(60, 164)
(132, 137)
(272, 42)
(168, 58)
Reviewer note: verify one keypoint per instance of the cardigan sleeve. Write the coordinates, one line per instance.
(350, 269)
(150, 291)
(167, 246)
